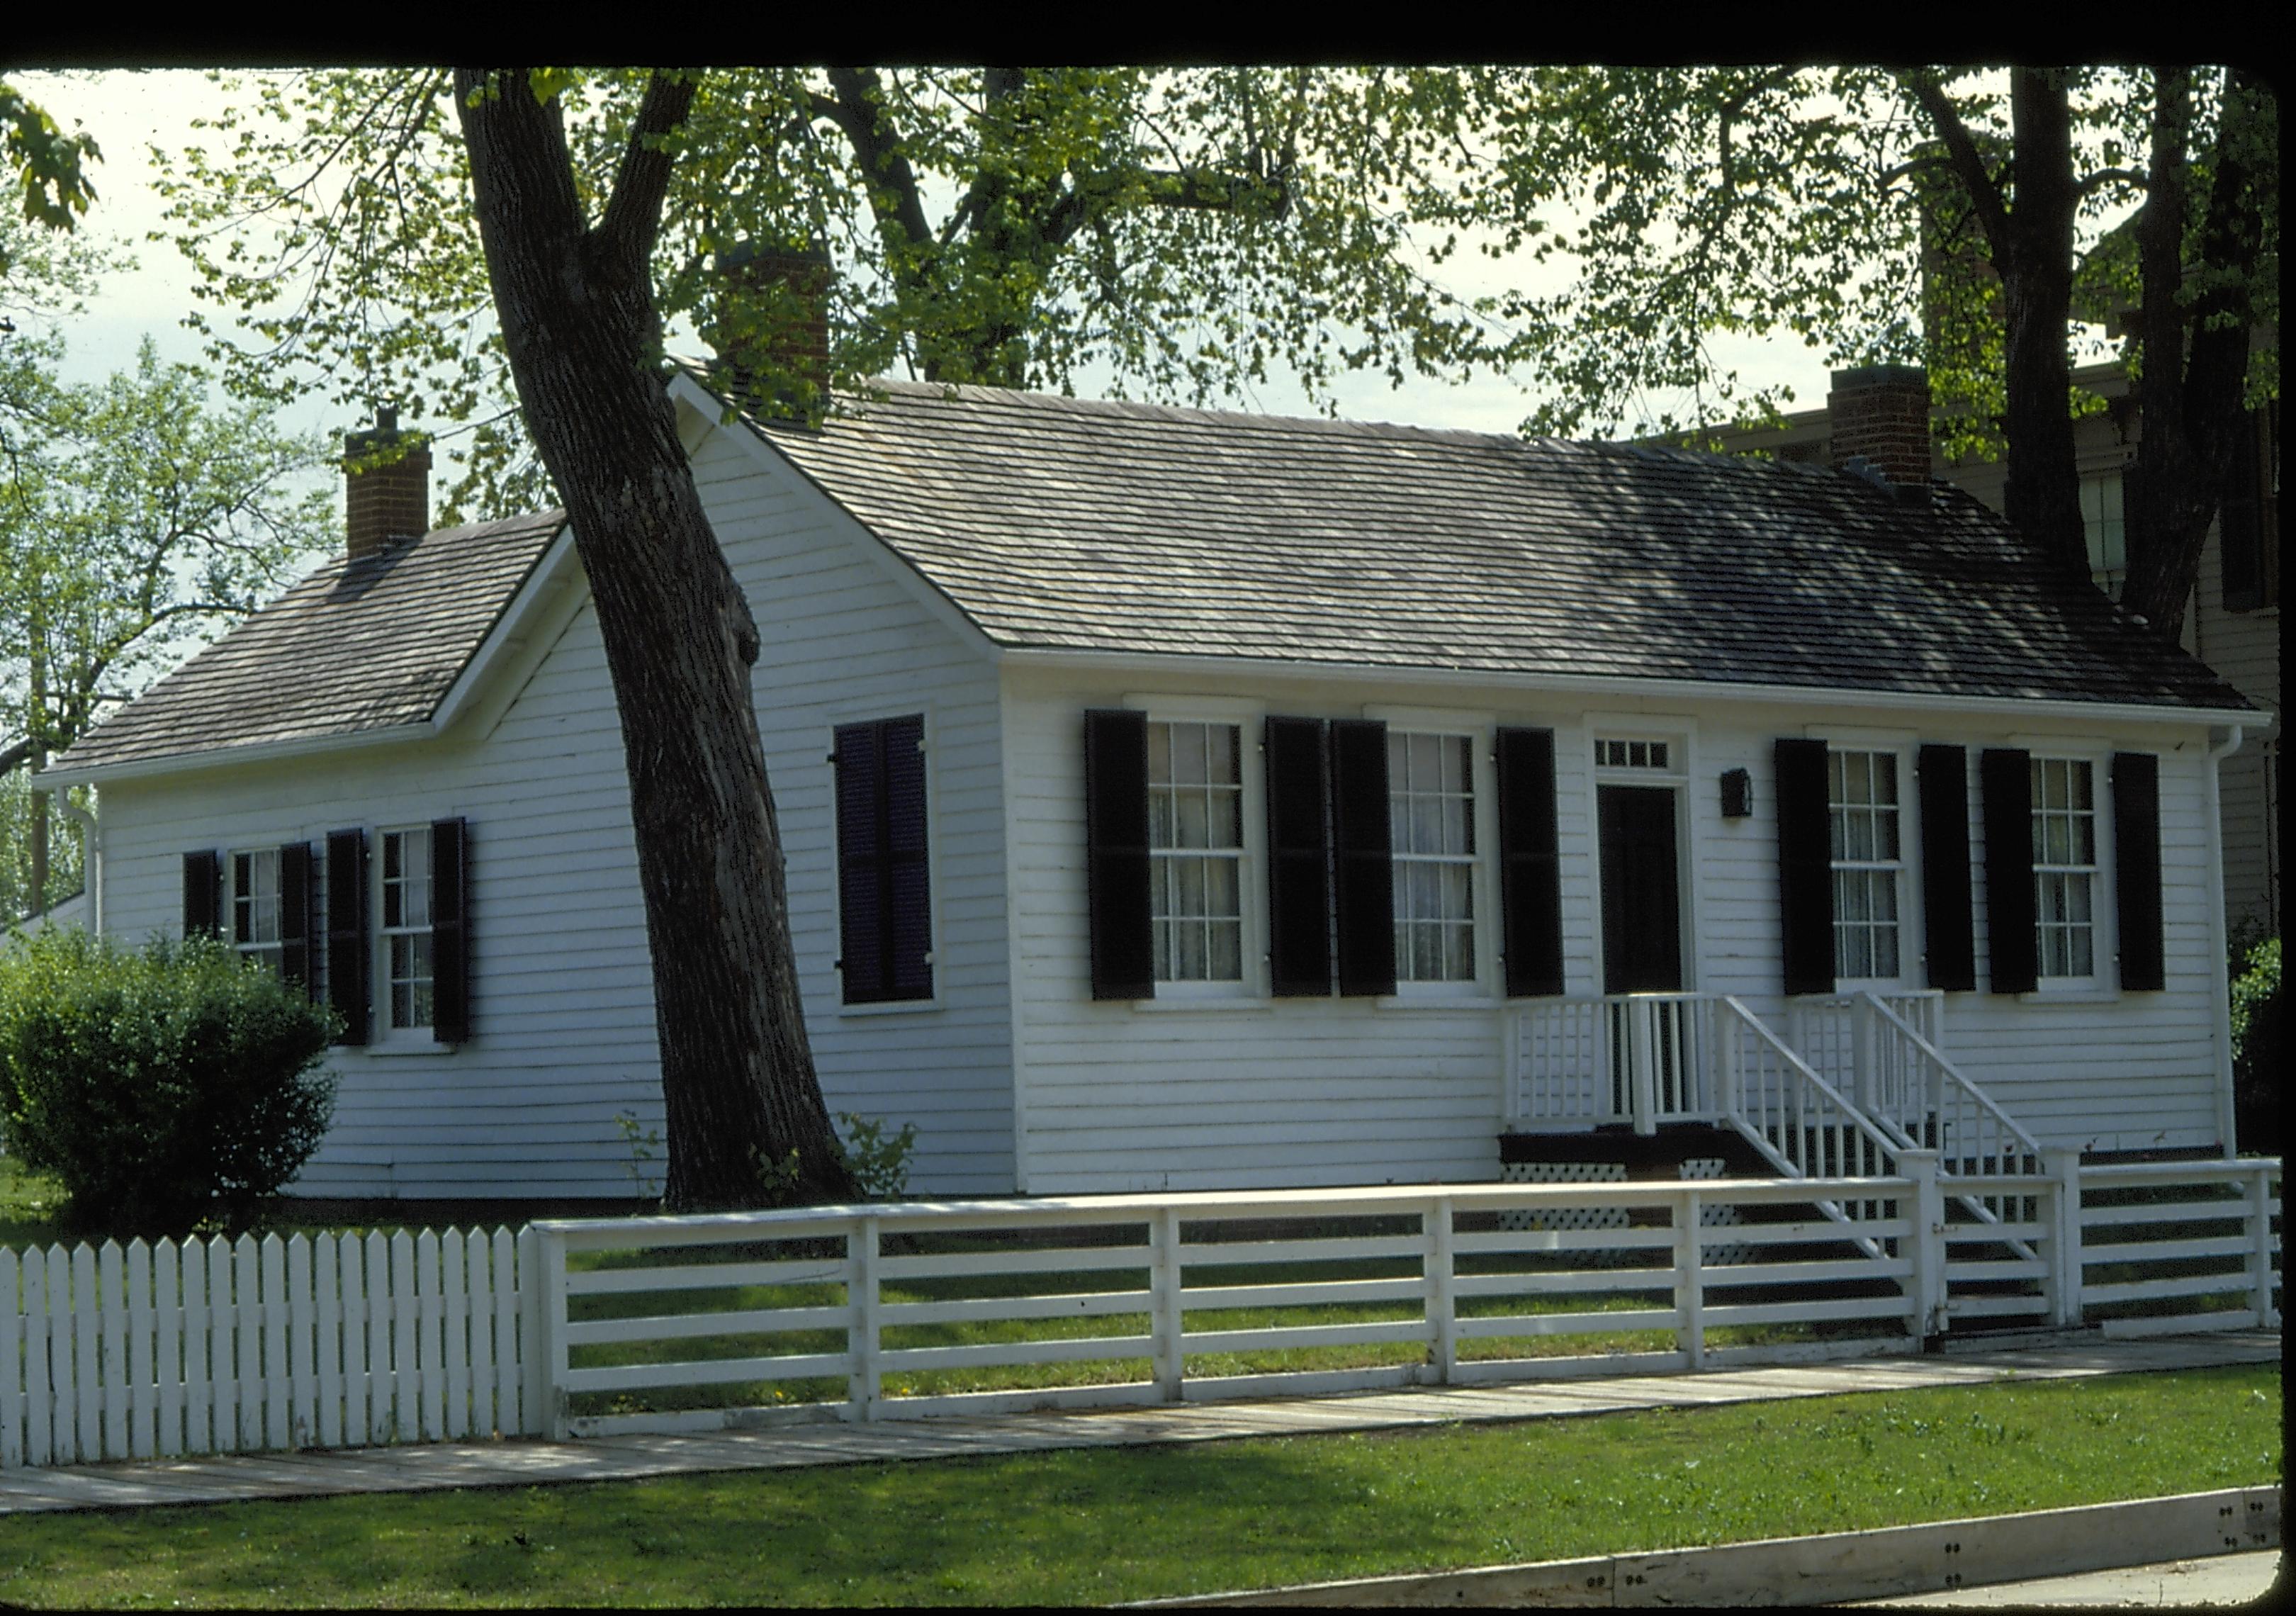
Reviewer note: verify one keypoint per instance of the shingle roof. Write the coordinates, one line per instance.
(363, 644)
(1059, 523)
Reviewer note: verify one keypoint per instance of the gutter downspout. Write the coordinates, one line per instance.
(2220, 985)
(91, 842)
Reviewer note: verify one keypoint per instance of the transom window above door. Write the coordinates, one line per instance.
(1657, 755)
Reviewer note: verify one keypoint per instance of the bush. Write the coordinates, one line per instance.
(165, 1088)
(2256, 1052)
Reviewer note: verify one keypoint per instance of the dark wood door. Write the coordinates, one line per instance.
(1641, 890)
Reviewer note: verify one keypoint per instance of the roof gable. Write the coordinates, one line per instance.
(360, 646)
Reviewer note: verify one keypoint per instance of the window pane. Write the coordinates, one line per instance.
(1221, 888)
(1188, 754)
(1227, 963)
(1220, 740)
(1159, 753)
(2076, 779)
(1193, 830)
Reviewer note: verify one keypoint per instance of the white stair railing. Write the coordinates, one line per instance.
(1800, 1122)
(1636, 1058)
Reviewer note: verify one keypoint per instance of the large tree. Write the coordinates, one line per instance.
(574, 290)
(1840, 206)
(1184, 234)
(136, 517)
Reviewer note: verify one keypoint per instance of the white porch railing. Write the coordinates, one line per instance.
(1634, 1058)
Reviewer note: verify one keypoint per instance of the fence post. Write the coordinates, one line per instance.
(1442, 1304)
(2260, 1248)
(1641, 1064)
(1166, 1321)
(546, 1380)
(1925, 1210)
(1689, 1278)
(2062, 1168)
(862, 1387)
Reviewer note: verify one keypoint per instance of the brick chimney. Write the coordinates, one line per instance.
(771, 327)
(388, 502)
(1879, 415)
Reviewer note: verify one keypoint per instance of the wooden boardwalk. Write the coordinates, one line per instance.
(522, 1462)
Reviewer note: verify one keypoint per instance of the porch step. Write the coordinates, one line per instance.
(1643, 1156)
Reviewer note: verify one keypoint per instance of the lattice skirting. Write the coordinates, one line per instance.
(1612, 1216)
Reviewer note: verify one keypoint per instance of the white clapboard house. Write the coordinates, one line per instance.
(1183, 800)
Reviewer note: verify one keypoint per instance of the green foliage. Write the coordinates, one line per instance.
(20, 807)
(1184, 234)
(50, 166)
(166, 1087)
(2258, 1055)
(644, 1146)
(879, 1161)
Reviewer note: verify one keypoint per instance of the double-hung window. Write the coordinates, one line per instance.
(2064, 866)
(1431, 832)
(1195, 851)
(1863, 821)
(408, 975)
(255, 912)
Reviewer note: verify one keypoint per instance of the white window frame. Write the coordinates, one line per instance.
(1480, 732)
(271, 953)
(1896, 868)
(1250, 982)
(2105, 536)
(2101, 936)
(1684, 766)
(386, 1030)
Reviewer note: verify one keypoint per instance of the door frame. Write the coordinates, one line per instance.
(1681, 735)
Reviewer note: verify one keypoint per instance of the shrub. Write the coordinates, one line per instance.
(2256, 1052)
(166, 1087)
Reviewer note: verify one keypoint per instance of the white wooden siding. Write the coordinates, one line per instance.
(1335, 1091)
(843, 641)
(561, 993)
(561, 1000)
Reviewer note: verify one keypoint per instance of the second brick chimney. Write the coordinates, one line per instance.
(1880, 413)
(771, 327)
(387, 502)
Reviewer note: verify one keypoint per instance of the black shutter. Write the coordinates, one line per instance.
(1805, 866)
(2005, 777)
(202, 894)
(2137, 869)
(1363, 857)
(295, 917)
(885, 920)
(1116, 854)
(1530, 865)
(349, 985)
(1299, 862)
(1947, 924)
(450, 930)
(908, 904)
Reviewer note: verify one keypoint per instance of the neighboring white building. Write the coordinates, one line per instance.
(1189, 800)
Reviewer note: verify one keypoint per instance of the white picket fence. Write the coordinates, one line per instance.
(218, 1346)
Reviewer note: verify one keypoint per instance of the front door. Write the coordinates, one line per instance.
(1641, 890)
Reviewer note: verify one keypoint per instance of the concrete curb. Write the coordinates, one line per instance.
(1836, 1567)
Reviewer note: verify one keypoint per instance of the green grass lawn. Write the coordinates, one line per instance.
(1091, 1527)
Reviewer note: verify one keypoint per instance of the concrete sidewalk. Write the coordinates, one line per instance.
(431, 1466)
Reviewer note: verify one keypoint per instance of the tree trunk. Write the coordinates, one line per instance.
(577, 309)
(2189, 394)
(2042, 499)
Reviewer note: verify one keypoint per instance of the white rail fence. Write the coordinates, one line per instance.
(148, 1351)
(583, 1326)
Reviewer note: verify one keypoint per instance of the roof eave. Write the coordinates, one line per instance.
(1704, 690)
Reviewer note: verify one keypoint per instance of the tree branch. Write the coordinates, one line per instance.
(633, 212)
(858, 108)
(1961, 146)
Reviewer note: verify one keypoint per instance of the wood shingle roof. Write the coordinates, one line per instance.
(365, 645)
(1057, 524)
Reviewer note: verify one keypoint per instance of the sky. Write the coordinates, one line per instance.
(128, 112)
